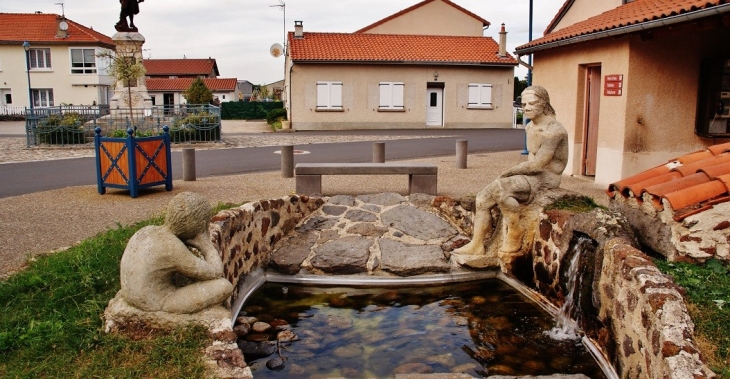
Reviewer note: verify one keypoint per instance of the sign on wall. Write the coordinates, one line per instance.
(613, 85)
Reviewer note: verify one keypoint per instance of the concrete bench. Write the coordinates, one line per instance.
(421, 176)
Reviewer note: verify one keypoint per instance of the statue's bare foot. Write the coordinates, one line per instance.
(472, 248)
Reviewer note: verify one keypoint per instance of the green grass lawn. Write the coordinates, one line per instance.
(51, 324)
(708, 301)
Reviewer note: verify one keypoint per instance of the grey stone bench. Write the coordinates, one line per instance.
(422, 177)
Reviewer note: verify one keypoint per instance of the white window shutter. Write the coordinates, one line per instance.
(323, 95)
(398, 95)
(485, 95)
(473, 94)
(385, 95)
(336, 95)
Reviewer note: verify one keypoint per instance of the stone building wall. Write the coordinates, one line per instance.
(245, 235)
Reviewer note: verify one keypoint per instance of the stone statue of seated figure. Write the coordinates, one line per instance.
(156, 254)
(547, 144)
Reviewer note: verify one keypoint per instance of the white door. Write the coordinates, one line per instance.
(434, 107)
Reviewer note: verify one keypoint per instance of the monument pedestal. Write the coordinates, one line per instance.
(129, 46)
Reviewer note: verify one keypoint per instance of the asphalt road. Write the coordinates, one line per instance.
(28, 177)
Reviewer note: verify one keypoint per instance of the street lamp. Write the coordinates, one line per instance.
(26, 47)
(529, 78)
(29, 119)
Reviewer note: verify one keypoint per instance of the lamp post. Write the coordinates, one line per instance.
(26, 47)
(529, 78)
(29, 118)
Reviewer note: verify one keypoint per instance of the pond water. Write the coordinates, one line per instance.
(479, 328)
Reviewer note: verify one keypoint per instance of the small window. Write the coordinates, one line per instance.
(39, 59)
(713, 103)
(43, 97)
(391, 96)
(434, 100)
(8, 98)
(329, 95)
(480, 96)
(83, 61)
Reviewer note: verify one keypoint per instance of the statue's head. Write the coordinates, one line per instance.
(543, 99)
(188, 214)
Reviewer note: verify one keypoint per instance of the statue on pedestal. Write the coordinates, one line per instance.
(547, 144)
(129, 9)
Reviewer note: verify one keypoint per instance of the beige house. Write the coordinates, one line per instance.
(637, 84)
(62, 55)
(396, 74)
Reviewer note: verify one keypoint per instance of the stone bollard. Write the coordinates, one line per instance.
(461, 151)
(188, 164)
(378, 152)
(287, 161)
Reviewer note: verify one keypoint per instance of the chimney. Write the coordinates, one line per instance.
(502, 42)
(61, 27)
(298, 29)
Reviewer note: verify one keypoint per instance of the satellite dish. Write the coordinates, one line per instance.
(276, 50)
(63, 25)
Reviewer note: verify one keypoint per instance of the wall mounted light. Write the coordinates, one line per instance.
(435, 76)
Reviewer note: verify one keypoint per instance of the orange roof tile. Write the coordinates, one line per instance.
(41, 28)
(691, 183)
(185, 66)
(422, 3)
(181, 84)
(396, 48)
(627, 18)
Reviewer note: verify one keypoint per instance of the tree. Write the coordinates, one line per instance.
(126, 67)
(198, 93)
(520, 86)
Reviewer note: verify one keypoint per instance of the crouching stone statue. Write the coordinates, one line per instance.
(547, 144)
(156, 256)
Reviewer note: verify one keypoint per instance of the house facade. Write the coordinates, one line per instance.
(396, 73)
(167, 79)
(62, 55)
(169, 92)
(638, 84)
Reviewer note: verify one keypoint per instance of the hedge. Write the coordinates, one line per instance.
(244, 110)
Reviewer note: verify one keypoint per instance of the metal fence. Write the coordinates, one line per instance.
(66, 125)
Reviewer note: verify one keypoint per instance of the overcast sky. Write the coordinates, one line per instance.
(239, 33)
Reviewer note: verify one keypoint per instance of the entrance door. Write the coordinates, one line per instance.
(434, 107)
(590, 123)
(168, 102)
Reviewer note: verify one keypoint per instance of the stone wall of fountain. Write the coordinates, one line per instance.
(244, 235)
(625, 304)
(633, 311)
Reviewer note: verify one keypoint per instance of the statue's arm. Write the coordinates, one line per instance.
(210, 267)
(540, 159)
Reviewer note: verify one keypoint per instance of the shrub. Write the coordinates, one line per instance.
(248, 110)
(275, 115)
(61, 129)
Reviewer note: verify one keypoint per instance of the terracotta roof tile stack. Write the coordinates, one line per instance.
(690, 184)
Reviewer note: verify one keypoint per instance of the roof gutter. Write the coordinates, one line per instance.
(672, 20)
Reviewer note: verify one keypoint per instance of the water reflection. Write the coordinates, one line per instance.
(478, 328)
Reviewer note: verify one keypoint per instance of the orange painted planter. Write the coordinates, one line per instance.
(133, 163)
